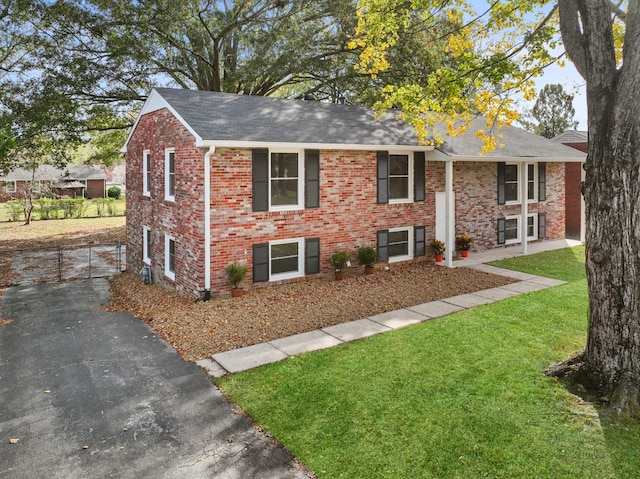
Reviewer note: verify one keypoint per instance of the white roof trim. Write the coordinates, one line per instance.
(442, 156)
(156, 102)
(315, 146)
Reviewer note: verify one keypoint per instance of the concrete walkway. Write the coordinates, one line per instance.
(272, 351)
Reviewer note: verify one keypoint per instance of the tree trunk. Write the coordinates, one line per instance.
(612, 197)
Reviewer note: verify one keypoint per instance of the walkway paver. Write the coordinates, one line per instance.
(265, 353)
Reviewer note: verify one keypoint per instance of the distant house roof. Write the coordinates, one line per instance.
(223, 119)
(572, 136)
(51, 173)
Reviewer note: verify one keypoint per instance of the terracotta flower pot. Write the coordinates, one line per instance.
(369, 270)
(339, 275)
(237, 292)
(438, 258)
(464, 253)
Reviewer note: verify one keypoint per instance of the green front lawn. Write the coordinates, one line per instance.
(462, 396)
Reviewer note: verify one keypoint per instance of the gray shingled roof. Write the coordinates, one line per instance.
(51, 173)
(219, 117)
(518, 143)
(222, 116)
(572, 136)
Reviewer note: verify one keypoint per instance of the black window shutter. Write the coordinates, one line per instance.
(542, 225)
(260, 262)
(542, 182)
(260, 179)
(383, 245)
(501, 227)
(383, 177)
(418, 176)
(501, 193)
(311, 178)
(419, 247)
(311, 255)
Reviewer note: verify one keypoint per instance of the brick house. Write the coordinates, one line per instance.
(72, 181)
(573, 176)
(280, 185)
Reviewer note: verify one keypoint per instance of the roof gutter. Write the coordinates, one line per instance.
(207, 219)
(315, 146)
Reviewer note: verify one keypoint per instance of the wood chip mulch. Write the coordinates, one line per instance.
(198, 329)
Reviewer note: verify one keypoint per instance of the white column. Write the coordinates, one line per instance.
(207, 217)
(451, 213)
(524, 173)
(583, 214)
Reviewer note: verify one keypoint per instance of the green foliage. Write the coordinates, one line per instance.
(47, 208)
(114, 192)
(438, 246)
(106, 206)
(367, 256)
(553, 111)
(236, 273)
(339, 260)
(463, 242)
(15, 210)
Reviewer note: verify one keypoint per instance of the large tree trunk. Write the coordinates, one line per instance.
(611, 360)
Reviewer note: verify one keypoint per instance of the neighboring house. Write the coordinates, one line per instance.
(573, 176)
(74, 181)
(280, 185)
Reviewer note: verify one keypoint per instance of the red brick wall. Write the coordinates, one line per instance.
(477, 208)
(96, 189)
(574, 197)
(182, 219)
(348, 216)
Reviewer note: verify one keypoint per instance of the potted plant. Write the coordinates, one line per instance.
(367, 257)
(339, 261)
(235, 274)
(463, 243)
(438, 248)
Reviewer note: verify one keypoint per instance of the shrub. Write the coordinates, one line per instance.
(367, 256)
(236, 273)
(114, 192)
(340, 259)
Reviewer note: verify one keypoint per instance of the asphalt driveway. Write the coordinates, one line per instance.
(95, 394)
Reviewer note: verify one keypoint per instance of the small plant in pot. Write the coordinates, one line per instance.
(368, 257)
(339, 261)
(463, 243)
(438, 248)
(235, 274)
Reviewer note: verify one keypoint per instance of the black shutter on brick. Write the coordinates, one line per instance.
(501, 228)
(383, 177)
(542, 225)
(260, 262)
(260, 179)
(311, 178)
(419, 246)
(501, 174)
(383, 245)
(542, 181)
(311, 255)
(418, 176)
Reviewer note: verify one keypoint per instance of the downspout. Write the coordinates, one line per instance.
(207, 221)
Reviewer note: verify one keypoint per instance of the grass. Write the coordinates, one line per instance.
(52, 233)
(458, 397)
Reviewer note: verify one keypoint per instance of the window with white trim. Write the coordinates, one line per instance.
(146, 245)
(400, 178)
(512, 228)
(170, 174)
(286, 180)
(169, 257)
(146, 173)
(512, 183)
(286, 259)
(400, 244)
(10, 186)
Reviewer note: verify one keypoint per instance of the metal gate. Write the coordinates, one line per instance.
(63, 263)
